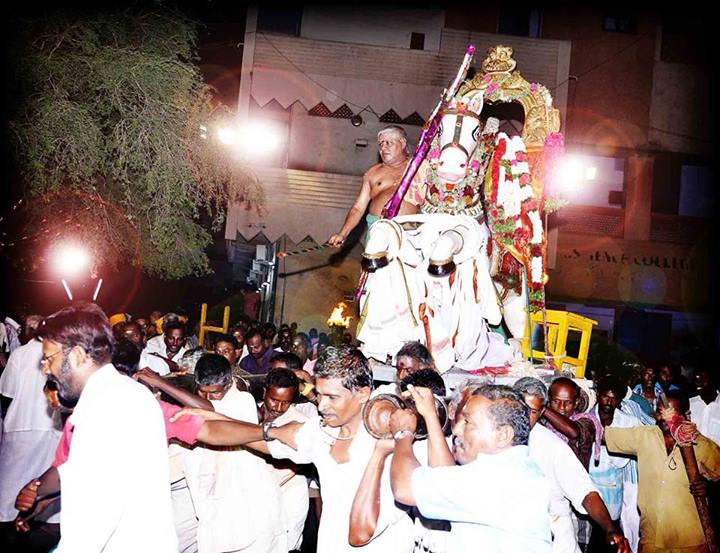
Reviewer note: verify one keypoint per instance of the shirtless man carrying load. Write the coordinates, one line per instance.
(379, 183)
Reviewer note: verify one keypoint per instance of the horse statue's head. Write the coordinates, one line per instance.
(459, 132)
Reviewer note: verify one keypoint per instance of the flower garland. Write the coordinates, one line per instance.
(464, 195)
(514, 213)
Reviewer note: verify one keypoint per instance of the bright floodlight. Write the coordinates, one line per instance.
(70, 260)
(259, 137)
(227, 135)
(255, 138)
(571, 173)
(590, 173)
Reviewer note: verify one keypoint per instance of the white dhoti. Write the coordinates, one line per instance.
(564, 534)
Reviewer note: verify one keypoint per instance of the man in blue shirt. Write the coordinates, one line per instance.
(497, 499)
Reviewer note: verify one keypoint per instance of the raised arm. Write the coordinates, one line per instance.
(404, 462)
(219, 430)
(366, 505)
(187, 399)
(355, 215)
(439, 454)
(562, 424)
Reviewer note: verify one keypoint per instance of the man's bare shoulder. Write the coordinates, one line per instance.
(373, 170)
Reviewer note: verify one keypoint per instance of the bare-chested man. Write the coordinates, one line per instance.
(379, 183)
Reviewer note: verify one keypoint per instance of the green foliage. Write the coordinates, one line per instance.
(108, 136)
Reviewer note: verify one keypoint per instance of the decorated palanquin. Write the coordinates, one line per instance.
(473, 258)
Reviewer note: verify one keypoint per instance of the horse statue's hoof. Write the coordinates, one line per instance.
(373, 262)
(443, 268)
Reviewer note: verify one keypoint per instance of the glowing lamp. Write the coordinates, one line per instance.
(71, 260)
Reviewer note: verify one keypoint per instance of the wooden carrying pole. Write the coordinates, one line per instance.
(693, 474)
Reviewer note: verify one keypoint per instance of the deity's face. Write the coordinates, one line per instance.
(459, 133)
(391, 147)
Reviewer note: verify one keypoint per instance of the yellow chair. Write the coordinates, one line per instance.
(205, 328)
(559, 325)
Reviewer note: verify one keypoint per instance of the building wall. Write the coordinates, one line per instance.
(312, 284)
(376, 25)
(337, 146)
(619, 97)
(681, 117)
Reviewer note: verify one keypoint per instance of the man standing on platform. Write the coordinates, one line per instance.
(379, 183)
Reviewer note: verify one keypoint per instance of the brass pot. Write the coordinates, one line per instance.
(376, 415)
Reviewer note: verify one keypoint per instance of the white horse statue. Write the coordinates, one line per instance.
(467, 259)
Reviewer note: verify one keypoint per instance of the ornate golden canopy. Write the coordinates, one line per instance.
(502, 83)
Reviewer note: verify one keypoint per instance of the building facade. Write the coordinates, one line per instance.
(634, 239)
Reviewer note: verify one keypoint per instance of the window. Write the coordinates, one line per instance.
(620, 23)
(696, 191)
(592, 180)
(417, 41)
(285, 20)
(520, 21)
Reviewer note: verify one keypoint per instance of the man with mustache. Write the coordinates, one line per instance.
(379, 183)
(337, 443)
(31, 430)
(135, 514)
(668, 518)
(495, 495)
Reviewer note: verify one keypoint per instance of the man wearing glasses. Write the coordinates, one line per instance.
(131, 511)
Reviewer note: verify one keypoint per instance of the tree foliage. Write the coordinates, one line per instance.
(110, 143)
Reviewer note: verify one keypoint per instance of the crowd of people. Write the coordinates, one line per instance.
(124, 434)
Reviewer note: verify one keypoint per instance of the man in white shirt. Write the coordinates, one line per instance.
(236, 498)
(570, 483)
(339, 446)
(705, 407)
(497, 497)
(163, 358)
(615, 475)
(279, 405)
(31, 429)
(132, 510)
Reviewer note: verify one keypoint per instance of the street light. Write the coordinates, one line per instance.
(257, 137)
(573, 171)
(71, 260)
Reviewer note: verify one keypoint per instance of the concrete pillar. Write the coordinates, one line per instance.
(247, 65)
(638, 196)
